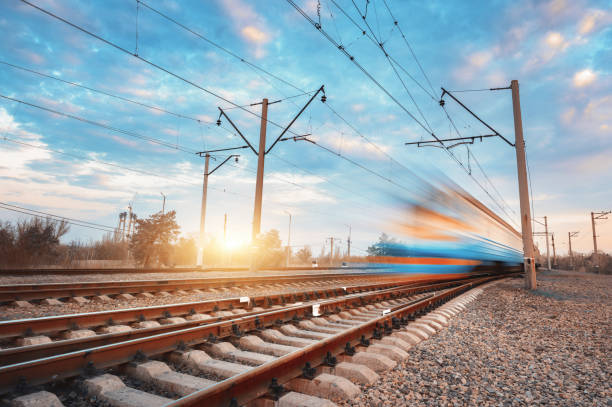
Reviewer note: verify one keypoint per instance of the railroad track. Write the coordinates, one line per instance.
(26, 339)
(239, 358)
(33, 292)
(172, 270)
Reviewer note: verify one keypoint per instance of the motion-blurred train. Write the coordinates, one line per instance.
(450, 235)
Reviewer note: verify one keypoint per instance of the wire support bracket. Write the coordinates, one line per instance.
(496, 133)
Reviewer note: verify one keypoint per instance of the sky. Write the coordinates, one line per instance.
(92, 153)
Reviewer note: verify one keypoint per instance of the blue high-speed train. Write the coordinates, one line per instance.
(452, 235)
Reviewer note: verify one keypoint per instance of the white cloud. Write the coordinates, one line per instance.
(592, 20)
(250, 24)
(584, 78)
(554, 40)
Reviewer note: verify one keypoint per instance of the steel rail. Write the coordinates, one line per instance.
(33, 326)
(119, 270)
(28, 292)
(24, 353)
(240, 389)
(86, 361)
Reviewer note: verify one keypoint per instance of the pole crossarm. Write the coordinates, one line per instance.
(280, 137)
(303, 137)
(203, 153)
(430, 142)
(224, 161)
(496, 133)
(222, 113)
(601, 215)
(321, 89)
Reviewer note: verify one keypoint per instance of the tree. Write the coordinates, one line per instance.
(381, 248)
(185, 251)
(31, 242)
(269, 252)
(7, 243)
(152, 241)
(304, 255)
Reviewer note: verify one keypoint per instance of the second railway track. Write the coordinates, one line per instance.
(34, 292)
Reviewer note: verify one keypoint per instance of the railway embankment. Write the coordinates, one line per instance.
(552, 346)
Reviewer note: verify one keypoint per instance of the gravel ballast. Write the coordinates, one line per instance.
(552, 346)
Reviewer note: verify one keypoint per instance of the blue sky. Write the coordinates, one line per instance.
(560, 51)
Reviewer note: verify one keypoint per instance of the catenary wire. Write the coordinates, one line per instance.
(105, 126)
(41, 214)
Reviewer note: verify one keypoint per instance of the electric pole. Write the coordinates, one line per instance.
(163, 204)
(225, 229)
(288, 241)
(594, 216)
(554, 251)
(331, 250)
(261, 154)
(521, 164)
(547, 247)
(207, 156)
(571, 256)
(545, 224)
(348, 243)
(519, 143)
(225, 239)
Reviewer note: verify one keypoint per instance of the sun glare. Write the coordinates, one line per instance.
(233, 243)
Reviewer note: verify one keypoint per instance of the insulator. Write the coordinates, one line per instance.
(441, 102)
(323, 98)
(218, 122)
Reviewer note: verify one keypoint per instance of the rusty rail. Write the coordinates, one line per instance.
(120, 270)
(71, 364)
(27, 292)
(34, 326)
(245, 387)
(59, 323)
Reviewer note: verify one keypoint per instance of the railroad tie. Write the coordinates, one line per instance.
(112, 390)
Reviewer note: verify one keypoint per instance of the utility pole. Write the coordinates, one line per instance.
(569, 238)
(521, 164)
(519, 143)
(225, 239)
(200, 260)
(547, 247)
(331, 251)
(554, 251)
(288, 241)
(261, 154)
(261, 157)
(225, 229)
(545, 233)
(207, 156)
(348, 243)
(163, 204)
(594, 216)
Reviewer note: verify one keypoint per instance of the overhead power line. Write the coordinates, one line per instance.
(116, 46)
(146, 61)
(81, 157)
(357, 64)
(266, 72)
(377, 43)
(71, 221)
(156, 108)
(396, 23)
(105, 126)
